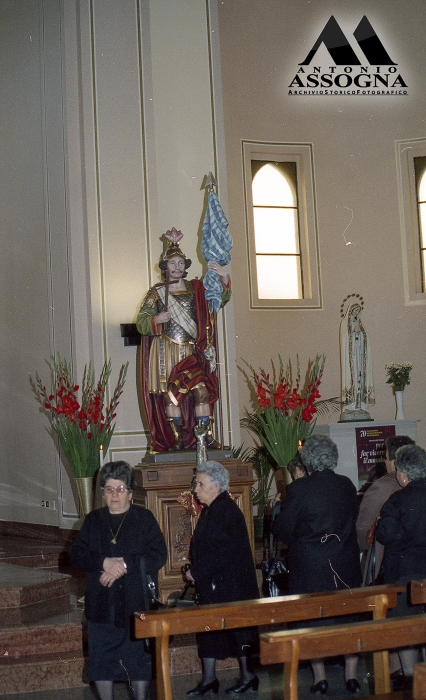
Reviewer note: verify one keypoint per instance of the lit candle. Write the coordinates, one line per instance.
(299, 445)
(101, 456)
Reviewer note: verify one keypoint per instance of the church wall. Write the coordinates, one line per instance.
(110, 122)
(356, 185)
(110, 119)
(34, 276)
(148, 139)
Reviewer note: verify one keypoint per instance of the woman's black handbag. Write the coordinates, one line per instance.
(150, 600)
(149, 589)
(182, 599)
(373, 579)
(274, 569)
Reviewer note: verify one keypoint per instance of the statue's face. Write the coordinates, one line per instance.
(355, 311)
(176, 267)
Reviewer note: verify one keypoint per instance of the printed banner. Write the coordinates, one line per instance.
(370, 451)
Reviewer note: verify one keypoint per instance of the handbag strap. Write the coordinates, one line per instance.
(184, 591)
(371, 569)
(273, 541)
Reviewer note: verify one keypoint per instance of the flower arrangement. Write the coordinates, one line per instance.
(286, 412)
(83, 427)
(399, 374)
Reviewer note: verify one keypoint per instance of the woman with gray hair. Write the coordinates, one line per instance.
(222, 570)
(402, 531)
(317, 522)
(109, 548)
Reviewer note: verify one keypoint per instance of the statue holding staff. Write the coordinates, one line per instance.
(179, 378)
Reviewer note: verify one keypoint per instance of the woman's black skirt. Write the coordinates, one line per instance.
(114, 656)
(222, 644)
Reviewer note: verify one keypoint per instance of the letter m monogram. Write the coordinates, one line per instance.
(341, 51)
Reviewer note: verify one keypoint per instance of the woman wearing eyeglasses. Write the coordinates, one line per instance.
(109, 548)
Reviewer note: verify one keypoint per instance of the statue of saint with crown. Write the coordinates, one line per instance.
(179, 379)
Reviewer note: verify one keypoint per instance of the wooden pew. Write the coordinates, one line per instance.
(264, 611)
(417, 592)
(419, 685)
(290, 647)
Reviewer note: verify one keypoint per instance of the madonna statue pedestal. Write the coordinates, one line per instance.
(344, 434)
(160, 478)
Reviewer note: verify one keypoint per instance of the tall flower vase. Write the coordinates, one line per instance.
(399, 396)
(86, 493)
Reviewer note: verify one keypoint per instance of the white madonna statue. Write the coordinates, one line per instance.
(356, 366)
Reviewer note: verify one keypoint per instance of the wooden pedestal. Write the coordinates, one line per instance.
(157, 487)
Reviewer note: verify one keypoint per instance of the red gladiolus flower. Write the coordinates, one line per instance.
(263, 400)
(293, 400)
(282, 390)
(308, 413)
(280, 402)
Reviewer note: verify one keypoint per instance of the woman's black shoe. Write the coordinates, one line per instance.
(352, 686)
(320, 687)
(203, 688)
(242, 686)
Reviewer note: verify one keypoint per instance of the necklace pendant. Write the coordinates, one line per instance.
(114, 541)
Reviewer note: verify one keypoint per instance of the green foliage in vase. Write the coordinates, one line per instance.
(284, 413)
(264, 469)
(398, 374)
(82, 426)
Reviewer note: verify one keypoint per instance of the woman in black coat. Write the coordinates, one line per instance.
(222, 570)
(109, 548)
(402, 531)
(317, 522)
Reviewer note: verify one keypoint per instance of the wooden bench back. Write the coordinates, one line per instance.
(264, 611)
(417, 592)
(290, 647)
(335, 640)
(267, 611)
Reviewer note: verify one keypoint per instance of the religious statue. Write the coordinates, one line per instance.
(356, 366)
(179, 378)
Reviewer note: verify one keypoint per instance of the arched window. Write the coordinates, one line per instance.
(283, 257)
(411, 168)
(276, 231)
(421, 201)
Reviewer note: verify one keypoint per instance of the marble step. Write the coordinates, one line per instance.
(41, 560)
(27, 640)
(45, 657)
(28, 594)
(41, 672)
(42, 657)
(31, 553)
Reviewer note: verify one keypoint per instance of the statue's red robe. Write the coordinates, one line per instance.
(185, 375)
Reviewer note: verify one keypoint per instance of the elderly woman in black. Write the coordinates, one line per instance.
(222, 570)
(109, 547)
(402, 531)
(317, 522)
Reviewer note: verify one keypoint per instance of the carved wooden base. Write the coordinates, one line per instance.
(157, 487)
